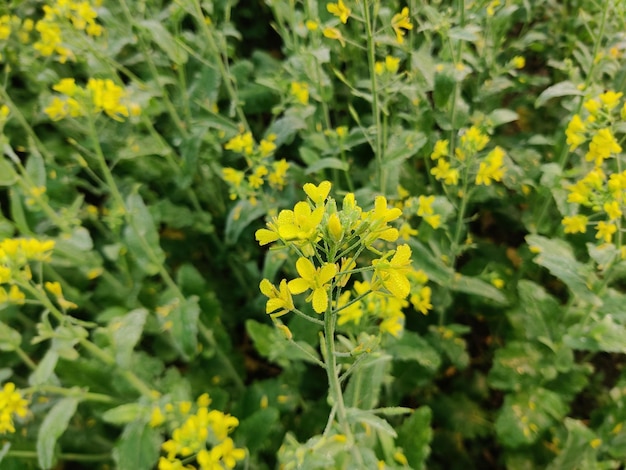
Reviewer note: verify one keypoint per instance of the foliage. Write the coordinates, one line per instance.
(302, 234)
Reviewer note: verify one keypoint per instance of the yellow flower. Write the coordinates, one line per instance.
(11, 404)
(491, 168)
(66, 86)
(334, 33)
(393, 273)
(316, 279)
(57, 109)
(400, 22)
(348, 313)
(441, 149)
(241, 143)
(301, 91)
(277, 178)
(605, 231)
(311, 25)
(602, 145)
(575, 224)
(278, 299)
(519, 62)
(340, 10)
(443, 171)
(612, 209)
(610, 99)
(575, 132)
(318, 194)
(421, 300)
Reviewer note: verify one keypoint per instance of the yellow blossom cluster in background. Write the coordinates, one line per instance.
(598, 197)
(467, 158)
(98, 96)
(202, 436)
(16, 254)
(261, 168)
(12, 404)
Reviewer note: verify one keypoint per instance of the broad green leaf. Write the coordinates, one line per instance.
(7, 174)
(599, 336)
(240, 216)
(257, 427)
(434, 268)
(502, 116)
(578, 451)
(287, 127)
(4, 450)
(540, 313)
(557, 257)
(164, 39)
(123, 414)
(142, 237)
(184, 326)
(468, 33)
(45, 369)
(324, 163)
(412, 347)
(365, 383)
(444, 87)
(53, 425)
(138, 448)
(525, 415)
(126, 331)
(10, 339)
(565, 88)
(358, 416)
(415, 435)
(478, 287)
(518, 365)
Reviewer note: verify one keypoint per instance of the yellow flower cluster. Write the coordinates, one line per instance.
(328, 241)
(99, 95)
(601, 193)
(261, 167)
(59, 15)
(11, 404)
(202, 436)
(15, 256)
(471, 143)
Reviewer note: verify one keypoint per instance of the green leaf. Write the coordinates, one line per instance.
(272, 345)
(4, 450)
(598, 336)
(502, 116)
(365, 383)
(240, 216)
(577, 452)
(412, 347)
(478, 287)
(540, 314)
(526, 415)
(257, 427)
(126, 331)
(184, 330)
(557, 257)
(123, 414)
(45, 369)
(358, 416)
(7, 174)
(164, 39)
(518, 365)
(10, 339)
(142, 237)
(53, 425)
(444, 87)
(324, 163)
(415, 435)
(138, 448)
(565, 88)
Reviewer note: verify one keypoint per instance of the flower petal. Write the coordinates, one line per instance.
(298, 286)
(320, 300)
(306, 269)
(265, 236)
(327, 272)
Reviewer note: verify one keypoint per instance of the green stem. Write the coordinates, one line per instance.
(31, 454)
(25, 358)
(371, 58)
(154, 71)
(72, 392)
(222, 64)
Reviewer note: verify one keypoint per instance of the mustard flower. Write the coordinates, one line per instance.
(278, 299)
(277, 177)
(340, 10)
(351, 313)
(11, 404)
(612, 209)
(519, 62)
(602, 145)
(443, 171)
(400, 22)
(317, 194)
(315, 279)
(393, 273)
(441, 149)
(334, 33)
(610, 99)
(300, 90)
(421, 300)
(575, 132)
(605, 231)
(491, 168)
(575, 224)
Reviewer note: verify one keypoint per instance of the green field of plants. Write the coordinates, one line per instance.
(298, 234)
